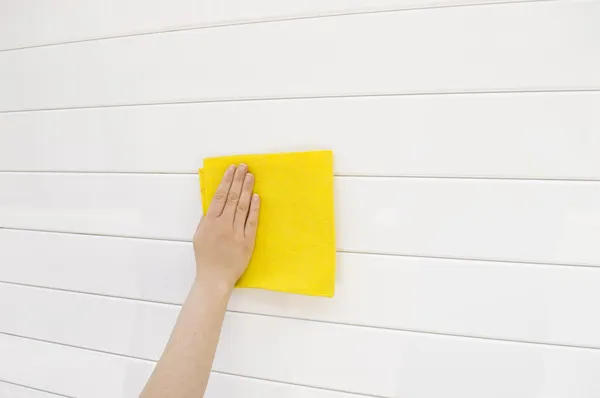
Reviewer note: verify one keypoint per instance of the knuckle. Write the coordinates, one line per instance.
(233, 196)
(242, 207)
(220, 196)
(239, 177)
(252, 223)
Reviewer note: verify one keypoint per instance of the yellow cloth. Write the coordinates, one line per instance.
(295, 243)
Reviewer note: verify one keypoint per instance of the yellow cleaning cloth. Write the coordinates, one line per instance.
(295, 243)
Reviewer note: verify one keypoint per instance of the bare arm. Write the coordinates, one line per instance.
(223, 245)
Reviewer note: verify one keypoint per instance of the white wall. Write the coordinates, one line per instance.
(466, 138)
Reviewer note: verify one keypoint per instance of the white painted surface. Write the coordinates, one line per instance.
(71, 371)
(27, 23)
(504, 158)
(320, 57)
(458, 218)
(14, 391)
(222, 385)
(82, 373)
(393, 136)
(294, 351)
(348, 358)
(473, 298)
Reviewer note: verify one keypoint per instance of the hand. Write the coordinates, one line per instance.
(224, 239)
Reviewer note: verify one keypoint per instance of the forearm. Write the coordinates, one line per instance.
(185, 365)
(223, 245)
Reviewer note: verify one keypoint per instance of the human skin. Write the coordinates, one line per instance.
(223, 246)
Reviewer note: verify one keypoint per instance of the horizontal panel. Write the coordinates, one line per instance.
(33, 22)
(532, 221)
(547, 135)
(460, 297)
(71, 371)
(435, 366)
(222, 385)
(135, 268)
(8, 390)
(106, 204)
(391, 364)
(107, 324)
(89, 374)
(294, 351)
(269, 60)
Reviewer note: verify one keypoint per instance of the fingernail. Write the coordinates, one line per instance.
(255, 196)
(243, 167)
(232, 167)
(249, 176)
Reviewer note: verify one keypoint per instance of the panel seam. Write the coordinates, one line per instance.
(35, 388)
(336, 323)
(311, 97)
(339, 250)
(336, 175)
(256, 21)
(151, 361)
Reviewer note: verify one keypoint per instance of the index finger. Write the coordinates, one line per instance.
(218, 201)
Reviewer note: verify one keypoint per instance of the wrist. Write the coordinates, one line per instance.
(213, 285)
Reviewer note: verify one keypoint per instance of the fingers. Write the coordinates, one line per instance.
(218, 201)
(252, 221)
(241, 212)
(234, 192)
